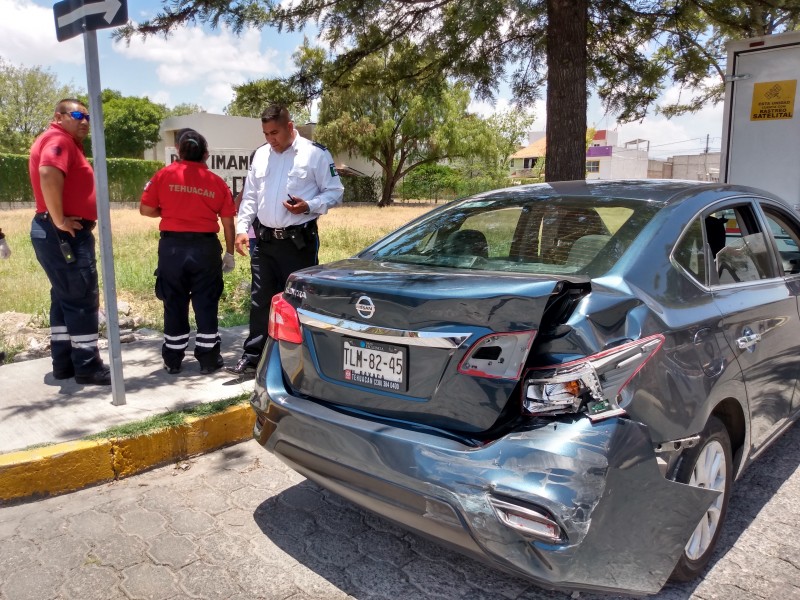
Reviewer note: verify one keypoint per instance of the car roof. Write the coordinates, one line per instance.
(667, 191)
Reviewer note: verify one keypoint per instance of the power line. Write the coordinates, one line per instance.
(678, 142)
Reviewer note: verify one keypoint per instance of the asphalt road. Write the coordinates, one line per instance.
(237, 524)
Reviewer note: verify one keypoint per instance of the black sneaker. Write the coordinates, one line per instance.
(100, 377)
(242, 368)
(212, 368)
(172, 370)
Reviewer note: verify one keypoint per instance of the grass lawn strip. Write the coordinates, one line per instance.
(167, 420)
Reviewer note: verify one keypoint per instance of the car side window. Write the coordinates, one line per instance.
(785, 233)
(689, 252)
(737, 246)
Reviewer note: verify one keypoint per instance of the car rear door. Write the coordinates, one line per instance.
(760, 313)
(784, 231)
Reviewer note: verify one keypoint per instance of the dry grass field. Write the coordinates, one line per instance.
(25, 289)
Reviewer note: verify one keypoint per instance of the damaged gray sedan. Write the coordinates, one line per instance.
(563, 380)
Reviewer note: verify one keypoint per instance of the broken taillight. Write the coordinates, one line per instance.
(591, 384)
(283, 322)
(498, 355)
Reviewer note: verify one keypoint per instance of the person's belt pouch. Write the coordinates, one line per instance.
(297, 237)
(66, 249)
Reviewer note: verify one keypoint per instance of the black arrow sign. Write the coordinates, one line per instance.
(73, 17)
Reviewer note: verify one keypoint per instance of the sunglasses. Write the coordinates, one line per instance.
(77, 115)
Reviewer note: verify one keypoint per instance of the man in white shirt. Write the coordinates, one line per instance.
(291, 182)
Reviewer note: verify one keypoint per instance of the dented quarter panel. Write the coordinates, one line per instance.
(695, 369)
(595, 479)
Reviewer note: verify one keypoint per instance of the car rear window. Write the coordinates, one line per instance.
(540, 235)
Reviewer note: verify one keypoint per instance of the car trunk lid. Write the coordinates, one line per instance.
(388, 339)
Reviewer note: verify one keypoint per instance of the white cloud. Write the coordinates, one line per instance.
(214, 62)
(28, 37)
(486, 109)
(687, 134)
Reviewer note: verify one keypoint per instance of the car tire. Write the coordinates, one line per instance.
(702, 466)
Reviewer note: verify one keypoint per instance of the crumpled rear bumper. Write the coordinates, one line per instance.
(624, 525)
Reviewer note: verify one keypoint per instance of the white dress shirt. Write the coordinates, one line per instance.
(304, 170)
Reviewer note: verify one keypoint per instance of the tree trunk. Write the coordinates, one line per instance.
(566, 89)
(388, 188)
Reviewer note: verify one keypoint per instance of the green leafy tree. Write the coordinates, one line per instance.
(184, 108)
(251, 98)
(132, 125)
(399, 126)
(28, 97)
(695, 40)
(626, 49)
(511, 128)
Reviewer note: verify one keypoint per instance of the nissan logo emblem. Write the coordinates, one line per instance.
(365, 307)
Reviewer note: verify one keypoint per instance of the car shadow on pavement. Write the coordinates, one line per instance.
(362, 555)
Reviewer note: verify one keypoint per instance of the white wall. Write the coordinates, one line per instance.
(231, 140)
(221, 131)
(622, 164)
(699, 167)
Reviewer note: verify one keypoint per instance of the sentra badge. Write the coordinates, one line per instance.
(365, 307)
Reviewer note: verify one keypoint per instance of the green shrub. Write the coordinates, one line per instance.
(362, 189)
(126, 178)
(15, 183)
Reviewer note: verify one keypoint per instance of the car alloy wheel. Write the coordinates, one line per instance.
(708, 465)
(710, 472)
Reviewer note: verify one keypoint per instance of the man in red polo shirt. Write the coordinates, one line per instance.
(61, 234)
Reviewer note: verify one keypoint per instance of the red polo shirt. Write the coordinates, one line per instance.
(56, 148)
(191, 197)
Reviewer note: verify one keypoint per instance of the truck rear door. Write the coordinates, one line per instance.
(761, 131)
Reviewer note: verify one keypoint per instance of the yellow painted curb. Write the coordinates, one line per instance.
(54, 470)
(71, 466)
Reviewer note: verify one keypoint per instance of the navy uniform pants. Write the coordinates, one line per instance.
(272, 262)
(190, 271)
(74, 297)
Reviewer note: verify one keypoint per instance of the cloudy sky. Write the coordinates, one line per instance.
(200, 66)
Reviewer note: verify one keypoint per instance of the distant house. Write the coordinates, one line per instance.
(607, 160)
(523, 161)
(231, 140)
(604, 158)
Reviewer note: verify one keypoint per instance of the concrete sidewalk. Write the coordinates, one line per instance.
(37, 410)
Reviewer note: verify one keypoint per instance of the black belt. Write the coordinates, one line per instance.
(87, 224)
(283, 233)
(188, 235)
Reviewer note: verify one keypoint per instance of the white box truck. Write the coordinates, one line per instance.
(760, 130)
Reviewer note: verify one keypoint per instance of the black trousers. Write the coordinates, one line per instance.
(189, 271)
(74, 297)
(272, 262)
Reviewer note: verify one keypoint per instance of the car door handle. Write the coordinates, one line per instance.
(748, 341)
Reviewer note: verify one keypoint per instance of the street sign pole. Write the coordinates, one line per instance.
(104, 216)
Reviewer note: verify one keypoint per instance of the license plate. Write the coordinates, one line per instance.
(374, 364)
